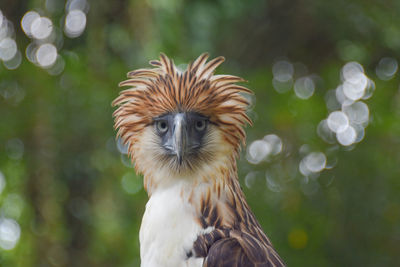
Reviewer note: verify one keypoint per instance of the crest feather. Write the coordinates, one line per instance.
(163, 89)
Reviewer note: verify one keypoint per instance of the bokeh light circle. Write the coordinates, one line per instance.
(347, 137)
(257, 151)
(75, 23)
(8, 48)
(41, 28)
(27, 20)
(338, 121)
(283, 71)
(46, 55)
(10, 233)
(315, 161)
(387, 68)
(357, 112)
(304, 87)
(275, 143)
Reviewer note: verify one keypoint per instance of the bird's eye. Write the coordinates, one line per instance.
(200, 125)
(162, 126)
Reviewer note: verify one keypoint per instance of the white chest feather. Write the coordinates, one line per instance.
(168, 230)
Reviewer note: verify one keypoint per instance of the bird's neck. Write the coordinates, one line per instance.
(197, 204)
(212, 174)
(214, 193)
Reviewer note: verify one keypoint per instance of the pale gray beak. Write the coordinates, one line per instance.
(179, 136)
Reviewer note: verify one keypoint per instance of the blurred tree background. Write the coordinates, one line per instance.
(321, 170)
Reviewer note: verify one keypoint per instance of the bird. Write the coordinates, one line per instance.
(184, 130)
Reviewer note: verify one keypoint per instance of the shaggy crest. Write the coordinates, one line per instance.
(165, 89)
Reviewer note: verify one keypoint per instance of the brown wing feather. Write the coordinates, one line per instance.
(227, 252)
(233, 248)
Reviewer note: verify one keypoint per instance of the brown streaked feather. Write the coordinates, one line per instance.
(155, 63)
(210, 67)
(198, 62)
(142, 73)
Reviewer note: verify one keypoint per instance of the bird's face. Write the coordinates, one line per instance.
(183, 140)
(181, 134)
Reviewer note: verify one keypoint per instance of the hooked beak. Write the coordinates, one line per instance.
(180, 137)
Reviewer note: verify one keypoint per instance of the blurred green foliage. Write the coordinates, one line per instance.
(76, 198)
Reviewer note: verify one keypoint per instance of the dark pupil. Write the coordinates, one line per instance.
(163, 125)
(199, 124)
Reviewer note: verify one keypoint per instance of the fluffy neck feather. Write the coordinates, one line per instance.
(218, 172)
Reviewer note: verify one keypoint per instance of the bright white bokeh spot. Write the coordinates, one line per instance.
(46, 55)
(41, 28)
(13, 63)
(341, 97)
(258, 151)
(351, 71)
(27, 20)
(387, 68)
(315, 161)
(131, 183)
(6, 28)
(10, 233)
(75, 23)
(283, 71)
(8, 49)
(338, 121)
(275, 143)
(347, 137)
(325, 132)
(355, 91)
(357, 112)
(304, 87)
(2, 182)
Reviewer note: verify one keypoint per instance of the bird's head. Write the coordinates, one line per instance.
(181, 121)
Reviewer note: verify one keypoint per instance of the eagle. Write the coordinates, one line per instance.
(184, 131)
